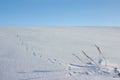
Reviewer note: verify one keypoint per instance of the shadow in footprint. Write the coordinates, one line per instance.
(32, 78)
(42, 71)
(21, 72)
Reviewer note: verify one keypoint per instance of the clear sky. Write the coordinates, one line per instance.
(59, 12)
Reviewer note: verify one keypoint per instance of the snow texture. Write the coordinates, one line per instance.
(56, 53)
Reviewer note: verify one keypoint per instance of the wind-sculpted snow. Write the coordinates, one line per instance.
(59, 53)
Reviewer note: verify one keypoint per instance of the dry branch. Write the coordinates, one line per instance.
(78, 58)
(100, 52)
(90, 58)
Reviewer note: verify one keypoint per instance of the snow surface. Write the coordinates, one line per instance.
(46, 53)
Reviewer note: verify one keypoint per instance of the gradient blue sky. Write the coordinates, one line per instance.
(59, 12)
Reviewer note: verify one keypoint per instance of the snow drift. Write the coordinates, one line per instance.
(51, 53)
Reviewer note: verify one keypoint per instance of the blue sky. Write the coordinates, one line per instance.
(59, 12)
